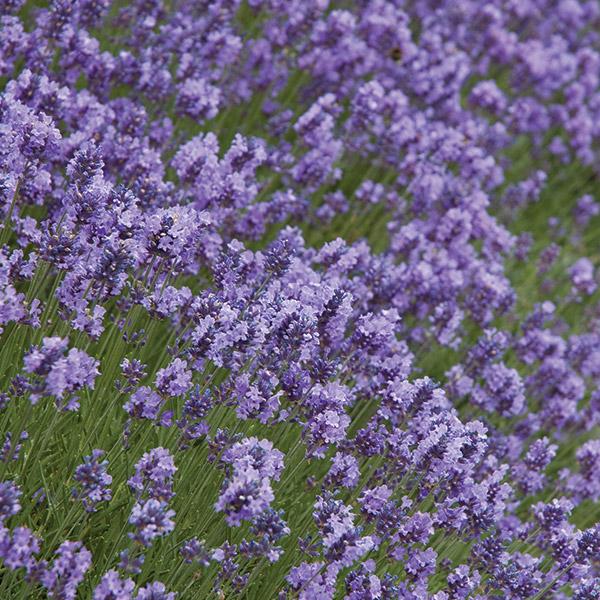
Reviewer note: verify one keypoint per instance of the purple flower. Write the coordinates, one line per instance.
(62, 579)
(344, 471)
(488, 96)
(112, 587)
(342, 540)
(195, 410)
(19, 549)
(529, 474)
(154, 475)
(373, 500)
(421, 564)
(252, 454)
(247, 492)
(133, 372)
(131, 562)
(244, 497)
(270, 525)
(144, 403)
(462, 582)
(194, 550)
(587, 589)
(9, 500)
(417, 528)
(155, 591)
(518, 575)
(175, 379)
(10, 450)
(198, 99)
(60, 376)
(153, 486)
(328, 427)
(151, 519)
(257, 400)
(554, 515)
(588, 545)
(582, 277)
(585, 209)
(502, 392)
(363, 583)
(94, 481)
(314, 580)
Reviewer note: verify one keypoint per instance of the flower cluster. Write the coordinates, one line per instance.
(334, 260)
(247, 492)
(59, 376)
(152, 484)
(93, 480)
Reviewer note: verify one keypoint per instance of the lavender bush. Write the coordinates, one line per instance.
(298, 299)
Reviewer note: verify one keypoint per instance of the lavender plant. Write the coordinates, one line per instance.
(299, 300)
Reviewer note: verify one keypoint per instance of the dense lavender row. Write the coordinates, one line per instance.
(299, 299)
